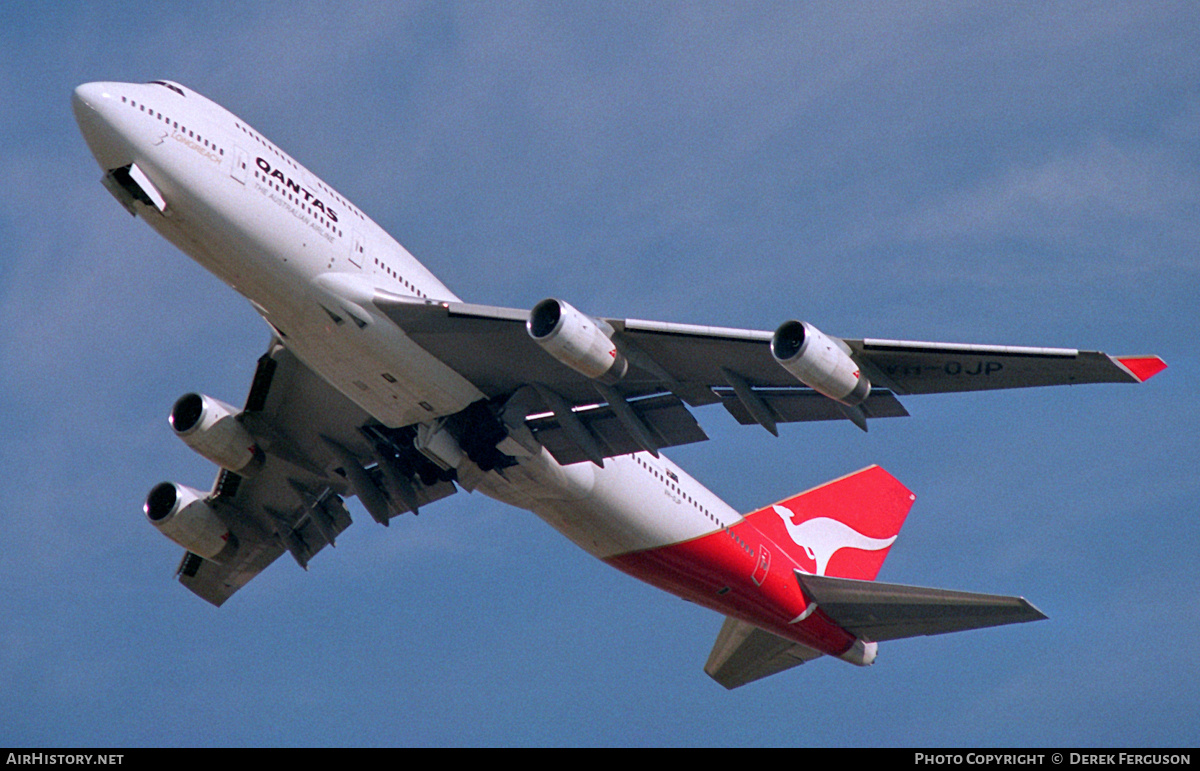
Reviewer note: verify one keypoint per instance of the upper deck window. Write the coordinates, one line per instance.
(171, 86)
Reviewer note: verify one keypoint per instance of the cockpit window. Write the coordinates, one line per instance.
(171, 86)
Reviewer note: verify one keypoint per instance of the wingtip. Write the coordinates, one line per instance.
(1035, 613)
(1142, 367)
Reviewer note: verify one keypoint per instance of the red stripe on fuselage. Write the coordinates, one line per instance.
(718, 572)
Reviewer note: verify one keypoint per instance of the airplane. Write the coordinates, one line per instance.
(379, 382)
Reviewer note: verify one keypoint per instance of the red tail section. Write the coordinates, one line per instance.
(843, 528)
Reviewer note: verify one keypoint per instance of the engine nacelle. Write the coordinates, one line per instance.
(819, 362)
(210, 427)
(577, 340)
(181, 514)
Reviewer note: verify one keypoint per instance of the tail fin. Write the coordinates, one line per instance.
(843, 528)
(838, 534)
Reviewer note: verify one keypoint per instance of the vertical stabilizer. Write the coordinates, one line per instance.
(843, 528)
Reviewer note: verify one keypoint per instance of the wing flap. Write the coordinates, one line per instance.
(744, 653)
(879, 612)
(795, 405)
(668, 421)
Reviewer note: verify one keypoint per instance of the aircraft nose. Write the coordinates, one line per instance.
(87, 97)
(92, 104)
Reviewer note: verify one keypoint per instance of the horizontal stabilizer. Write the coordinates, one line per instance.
(878, 612)
(744, 653)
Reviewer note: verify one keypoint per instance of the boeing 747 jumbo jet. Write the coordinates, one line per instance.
(379, 382)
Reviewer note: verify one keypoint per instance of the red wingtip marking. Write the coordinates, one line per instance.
(1143, 367)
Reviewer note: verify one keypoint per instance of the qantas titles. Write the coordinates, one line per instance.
(296, 187)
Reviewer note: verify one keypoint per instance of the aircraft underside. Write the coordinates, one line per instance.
(381, 384)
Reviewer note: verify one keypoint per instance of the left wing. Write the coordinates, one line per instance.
(577, 363)
(315, 448)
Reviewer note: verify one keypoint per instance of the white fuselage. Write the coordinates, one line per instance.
(310, 262)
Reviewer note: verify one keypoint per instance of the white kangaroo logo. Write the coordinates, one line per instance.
(822, 537)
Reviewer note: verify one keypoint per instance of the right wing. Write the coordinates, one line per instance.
(318, 447)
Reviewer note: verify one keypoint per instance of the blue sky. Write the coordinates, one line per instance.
(1018, 174)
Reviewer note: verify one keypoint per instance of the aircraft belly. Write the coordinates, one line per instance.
(195, 231)
(222, 233)
(623, 509)
(375, 366)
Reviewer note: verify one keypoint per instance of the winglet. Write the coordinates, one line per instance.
(1142, 367)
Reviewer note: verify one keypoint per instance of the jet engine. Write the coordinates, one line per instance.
(581, 342)
(820, 362)
(210, 427)
(181, 514)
